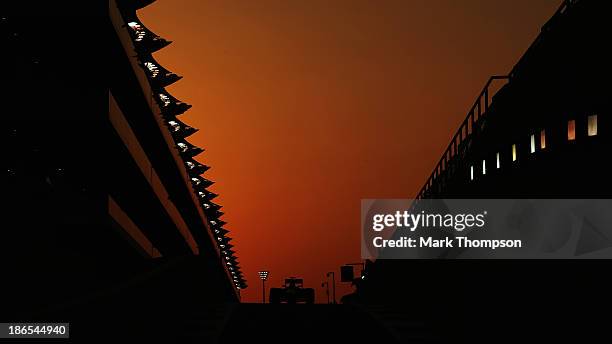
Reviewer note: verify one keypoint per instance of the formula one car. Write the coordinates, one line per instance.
(292, 292)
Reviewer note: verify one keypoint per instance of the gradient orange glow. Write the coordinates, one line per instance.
(306, 107)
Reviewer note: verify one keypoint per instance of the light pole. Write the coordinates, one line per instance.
(326, 286)
(333, 286)
(264, 276)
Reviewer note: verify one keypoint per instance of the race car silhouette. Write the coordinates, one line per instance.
(292, 292)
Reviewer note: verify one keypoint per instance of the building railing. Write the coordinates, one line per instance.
(472, 125)
(459, 144)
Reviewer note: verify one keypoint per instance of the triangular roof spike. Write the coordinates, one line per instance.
(178, 122)
(187, 149)
(206, 182)
(221, 231)
(199, 163)
(217, 223)
(145, 41)
(169, 105)
(195, 168)
(196, 181)
(213, 213)
(215, 205)
(159, 76)
(179, 129)
(206, 195)
(232, 258)
(166, 98)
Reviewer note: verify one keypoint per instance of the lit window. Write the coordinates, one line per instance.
(175, 126)
(542, 139)
(140, 32)
(513, 152)
(471, 172)
(571, 130)
(532, 147)
(592, 125)
(165, 99)
(152, 68)
(498, 163)
(484, 167)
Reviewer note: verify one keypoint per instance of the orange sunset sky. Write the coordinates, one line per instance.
(306, 107)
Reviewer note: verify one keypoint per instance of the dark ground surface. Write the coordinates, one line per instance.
(319, 323)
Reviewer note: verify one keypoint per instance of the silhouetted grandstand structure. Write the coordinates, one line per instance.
(109, 216)
(110, 213)
(541, 131)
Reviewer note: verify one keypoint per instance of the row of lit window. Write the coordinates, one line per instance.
(138, 29)
(571, 136)
(155, 70)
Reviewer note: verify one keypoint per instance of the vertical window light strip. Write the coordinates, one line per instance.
(532, 144)
(513, 152)
(571, 130)
(542, 139)
(471, 172)
(592, 131)
(497, 157)
(484, 167)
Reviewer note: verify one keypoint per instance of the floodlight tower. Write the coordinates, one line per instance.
(264, 276)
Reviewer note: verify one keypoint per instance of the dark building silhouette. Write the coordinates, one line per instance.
(108, 217)
(545, 133)
(109, 211)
